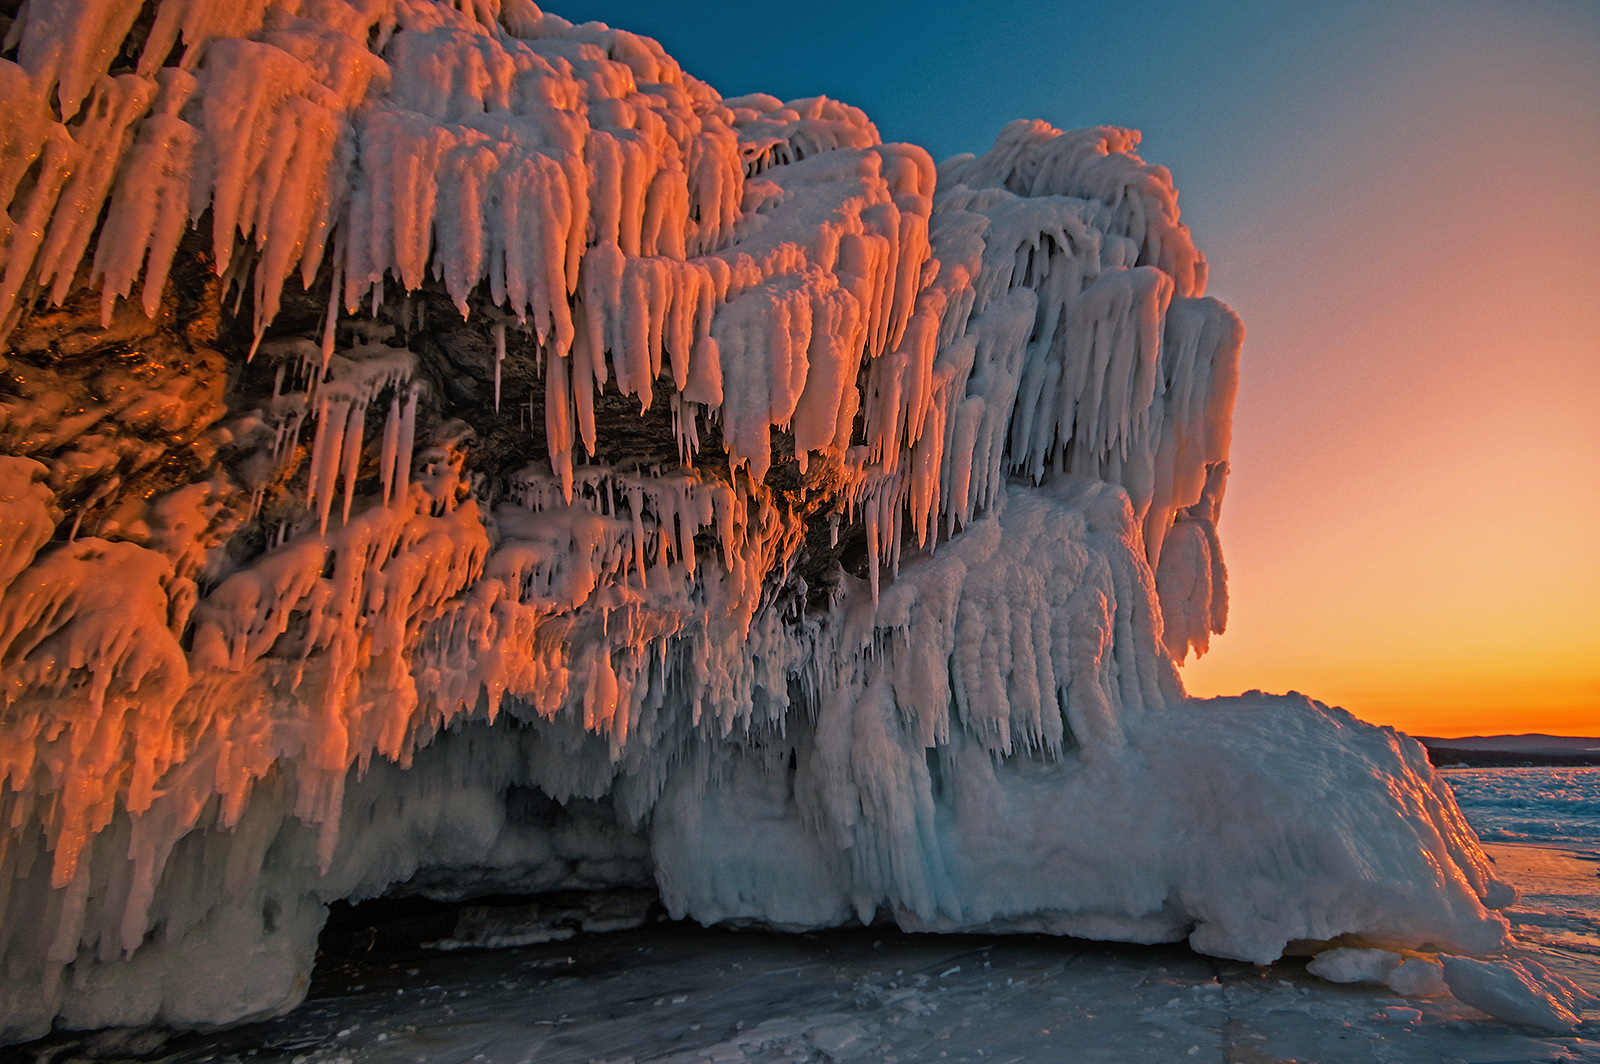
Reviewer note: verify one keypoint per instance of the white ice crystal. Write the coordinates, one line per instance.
(1004, 372)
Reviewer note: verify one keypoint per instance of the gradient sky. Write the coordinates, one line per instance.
(1402, 200)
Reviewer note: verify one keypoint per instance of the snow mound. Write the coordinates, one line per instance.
(641, 488)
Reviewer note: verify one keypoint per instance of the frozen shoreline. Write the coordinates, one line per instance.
(1558, 916)
(1550, 863)
(679, 993)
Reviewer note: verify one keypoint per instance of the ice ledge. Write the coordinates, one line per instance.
(895, 787)
(1242, 824)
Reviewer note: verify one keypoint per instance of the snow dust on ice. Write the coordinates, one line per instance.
(449, 452)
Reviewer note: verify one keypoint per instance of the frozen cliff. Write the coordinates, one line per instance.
(448, 450)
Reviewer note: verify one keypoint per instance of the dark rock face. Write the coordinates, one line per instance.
(125, 413)
(119, 413)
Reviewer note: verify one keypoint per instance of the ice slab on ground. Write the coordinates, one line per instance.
(1518, 991)
(1418, 977)
(1346, 965)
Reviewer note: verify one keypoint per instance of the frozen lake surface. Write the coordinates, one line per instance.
(682, 994)
(1548, 805)
(679, 994)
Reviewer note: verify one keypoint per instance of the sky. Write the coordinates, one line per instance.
(1402, 200)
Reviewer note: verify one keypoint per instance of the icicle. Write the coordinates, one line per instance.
(319, 445)
(325, 456)
(390, 455)
(872, 547)
(405, 443)
(352, 453)
(499, 359)
(330, 323)
(558, 421)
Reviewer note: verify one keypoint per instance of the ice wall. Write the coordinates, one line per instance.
(448, 449)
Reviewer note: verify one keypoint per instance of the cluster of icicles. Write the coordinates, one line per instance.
(755, 264)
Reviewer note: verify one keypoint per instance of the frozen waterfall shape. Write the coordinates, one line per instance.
(447, 449)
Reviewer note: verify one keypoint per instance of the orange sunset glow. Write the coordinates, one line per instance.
(1410, 524)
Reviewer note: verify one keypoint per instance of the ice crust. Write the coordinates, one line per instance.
(1004, 371)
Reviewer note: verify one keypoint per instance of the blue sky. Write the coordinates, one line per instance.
(1212, 87)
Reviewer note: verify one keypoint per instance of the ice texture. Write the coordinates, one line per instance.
(1549, 806)
(1411, 976)
(1346, 965)
(269, 647)
(1522, 992)
(1418, 977)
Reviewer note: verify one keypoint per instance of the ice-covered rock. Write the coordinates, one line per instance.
(637, 488)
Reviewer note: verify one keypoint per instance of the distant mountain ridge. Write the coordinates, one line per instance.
(1494, 751)
(1532, 743)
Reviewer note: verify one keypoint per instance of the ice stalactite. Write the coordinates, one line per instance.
(450, 449)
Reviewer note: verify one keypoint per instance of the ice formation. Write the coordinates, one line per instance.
(451, 450)
(1519, 991)
(1522, 992)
